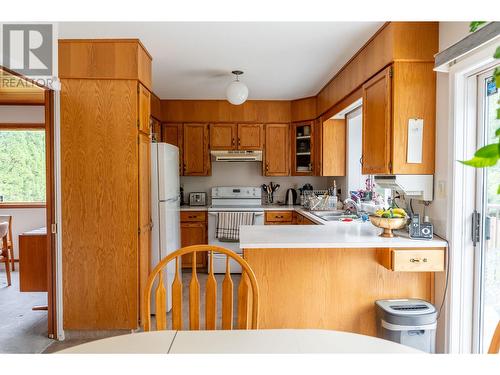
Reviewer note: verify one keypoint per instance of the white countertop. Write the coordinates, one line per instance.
(242, 341)
(333, 235)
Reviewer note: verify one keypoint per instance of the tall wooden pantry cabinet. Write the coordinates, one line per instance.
(105, 175)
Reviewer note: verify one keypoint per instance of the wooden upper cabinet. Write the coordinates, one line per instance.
(277, 150)
(376, 158)
(398, 94)
(144, 118)
(223, 136)
(333, 150)
(302, 148)
(196, 160)
(172, 133)
(250, 137)
(227, 136)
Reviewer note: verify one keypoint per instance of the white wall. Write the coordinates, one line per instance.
(247, 174)
(23, 220)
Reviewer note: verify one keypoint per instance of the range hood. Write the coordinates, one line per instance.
(412, 186)
(236, 155)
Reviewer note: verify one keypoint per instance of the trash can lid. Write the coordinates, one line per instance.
(406, 307)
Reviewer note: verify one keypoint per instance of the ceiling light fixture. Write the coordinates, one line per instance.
(237, 92)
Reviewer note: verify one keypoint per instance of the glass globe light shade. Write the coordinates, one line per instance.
(237, 92)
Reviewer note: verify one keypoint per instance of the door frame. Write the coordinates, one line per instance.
(462, 143)
(481, 188)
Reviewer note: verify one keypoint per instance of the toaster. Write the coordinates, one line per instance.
(197, 199)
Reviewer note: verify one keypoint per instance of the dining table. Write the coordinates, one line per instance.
(269, 341)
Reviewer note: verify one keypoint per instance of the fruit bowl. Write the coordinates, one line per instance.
(388, 224)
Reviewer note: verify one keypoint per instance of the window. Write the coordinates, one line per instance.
(22, 165)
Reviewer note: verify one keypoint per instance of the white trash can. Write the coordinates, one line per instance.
(410, 322)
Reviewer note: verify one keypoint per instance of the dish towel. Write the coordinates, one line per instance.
(228, 225)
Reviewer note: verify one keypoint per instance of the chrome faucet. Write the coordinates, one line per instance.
(352, 206)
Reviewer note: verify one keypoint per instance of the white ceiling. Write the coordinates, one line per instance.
(194, 60)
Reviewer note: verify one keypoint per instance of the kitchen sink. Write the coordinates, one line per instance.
(334, 215)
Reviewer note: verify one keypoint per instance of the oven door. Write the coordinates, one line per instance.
(219, 260)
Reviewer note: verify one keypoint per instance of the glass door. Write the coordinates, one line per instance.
(487, 256)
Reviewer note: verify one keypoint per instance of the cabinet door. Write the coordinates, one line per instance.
(144, 116)
(249, 136)
(172, 133)
(194, 234)
(302, 148)
(195, 150)
(377, 124)
(277, 150)
(223, 136)
(334, 143)
(144, 165)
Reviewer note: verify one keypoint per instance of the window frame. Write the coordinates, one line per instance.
(25, 127)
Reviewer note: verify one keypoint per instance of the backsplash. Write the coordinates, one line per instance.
(250, 174)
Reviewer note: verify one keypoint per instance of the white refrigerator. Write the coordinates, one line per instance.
(165, 204)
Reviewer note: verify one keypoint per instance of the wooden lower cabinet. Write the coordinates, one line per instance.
(194, 232)
(328, 288)
(278, 217)
(302, 220)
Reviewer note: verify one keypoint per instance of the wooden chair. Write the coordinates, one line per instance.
(245, 303)
(10, 243)
(4, 250)
(495, 341)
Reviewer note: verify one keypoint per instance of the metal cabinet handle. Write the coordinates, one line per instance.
(418, 260)
(232, 142)
(239, 141)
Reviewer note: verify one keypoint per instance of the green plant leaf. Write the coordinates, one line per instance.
(497, 132)
(480, 162)
(488, 152)
(498, 190)
(474, 25)
(497, 53)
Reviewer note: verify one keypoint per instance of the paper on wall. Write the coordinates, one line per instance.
(415, 140)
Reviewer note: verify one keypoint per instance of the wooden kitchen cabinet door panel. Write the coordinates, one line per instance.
(144, 109)
(333, 148)
(223, 136)
(193, 234)
(277, 150)
(195, 150)
(172, 133)
(377, 124)
(250, 137)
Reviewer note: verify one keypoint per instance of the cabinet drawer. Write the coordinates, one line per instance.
(414, 260)
(279, 216)
(193, 216)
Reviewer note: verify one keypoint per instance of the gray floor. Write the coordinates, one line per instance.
(77, 339)
(21, 329)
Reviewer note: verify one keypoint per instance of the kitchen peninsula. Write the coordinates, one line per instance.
(329, 276)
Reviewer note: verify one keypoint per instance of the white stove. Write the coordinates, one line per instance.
(232, 199)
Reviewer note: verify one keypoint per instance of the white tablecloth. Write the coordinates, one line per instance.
(240, 341)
